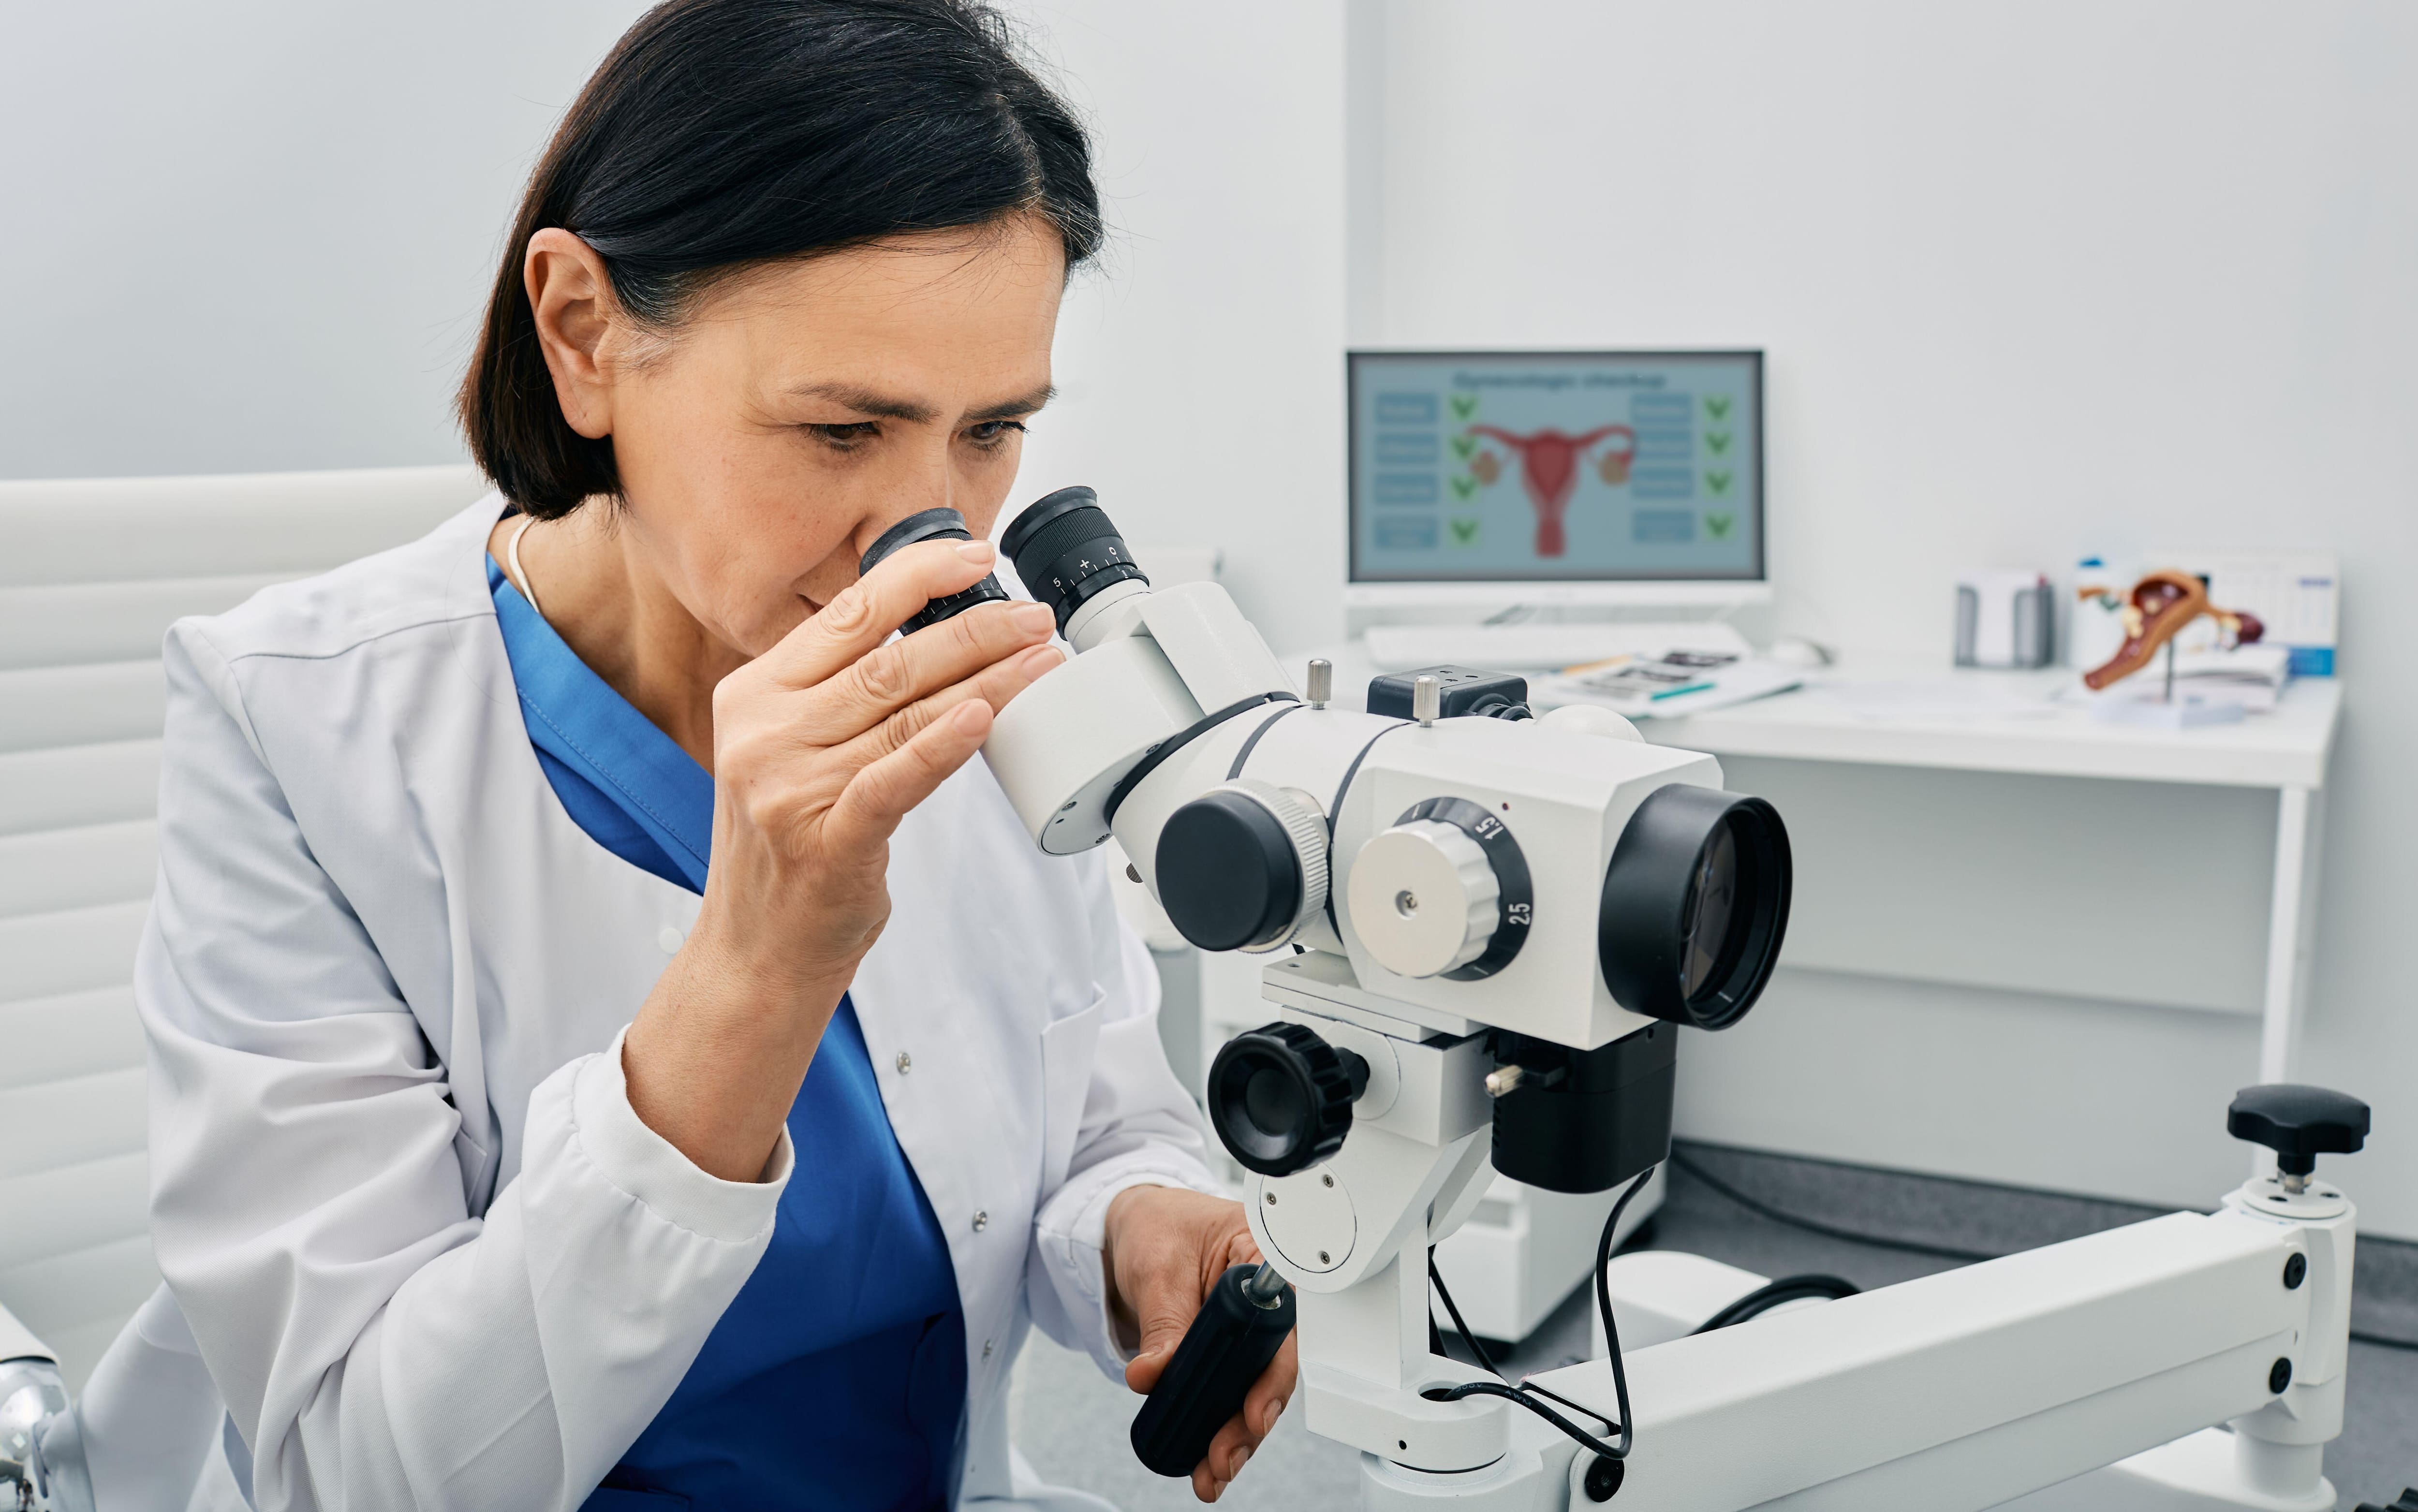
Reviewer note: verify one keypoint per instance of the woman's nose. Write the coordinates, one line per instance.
(928, 487)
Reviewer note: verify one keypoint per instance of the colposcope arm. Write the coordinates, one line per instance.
(2084, 1377)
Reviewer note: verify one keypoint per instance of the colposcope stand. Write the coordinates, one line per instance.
(1995, 1385)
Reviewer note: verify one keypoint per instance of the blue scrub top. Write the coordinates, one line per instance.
(837, 1377)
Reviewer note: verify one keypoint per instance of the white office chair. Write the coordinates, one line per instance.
(92, 571)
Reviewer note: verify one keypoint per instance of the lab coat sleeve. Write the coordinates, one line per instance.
(378, 1344)
(1139, 1128)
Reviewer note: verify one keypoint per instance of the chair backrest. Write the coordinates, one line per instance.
(92, 571)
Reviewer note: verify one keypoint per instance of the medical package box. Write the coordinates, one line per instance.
(2296, 595)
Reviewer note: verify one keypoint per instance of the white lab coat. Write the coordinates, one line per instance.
(430, 1255)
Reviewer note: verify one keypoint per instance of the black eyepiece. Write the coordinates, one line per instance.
(932, 525)
(1695, 904)
(1067, 551)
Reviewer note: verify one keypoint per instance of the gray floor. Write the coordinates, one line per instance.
(1072, 1424)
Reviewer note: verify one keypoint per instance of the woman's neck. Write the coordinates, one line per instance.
(622, 619)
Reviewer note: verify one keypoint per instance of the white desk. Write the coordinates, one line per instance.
(2287, 751)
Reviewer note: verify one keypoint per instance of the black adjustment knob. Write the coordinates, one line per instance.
(1280, 1097)
(1241, 866)
(2299, 1124)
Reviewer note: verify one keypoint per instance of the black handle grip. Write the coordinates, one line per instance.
(1231, 1341)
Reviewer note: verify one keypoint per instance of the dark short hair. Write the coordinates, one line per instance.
(723, 135)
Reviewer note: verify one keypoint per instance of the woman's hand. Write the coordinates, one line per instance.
(821, 745)
(1165, 1248)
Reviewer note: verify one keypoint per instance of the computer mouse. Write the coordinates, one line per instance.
(1796, 651)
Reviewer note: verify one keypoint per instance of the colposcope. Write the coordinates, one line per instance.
(1484, 931)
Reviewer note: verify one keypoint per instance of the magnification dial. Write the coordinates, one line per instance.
(1443, 892)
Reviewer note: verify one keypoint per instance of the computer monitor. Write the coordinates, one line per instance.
(1617, 477)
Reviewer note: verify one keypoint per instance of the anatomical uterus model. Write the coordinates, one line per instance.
(1549, 470)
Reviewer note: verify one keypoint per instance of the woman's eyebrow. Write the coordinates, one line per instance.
(883, 406)
(865, 402)
(1020, 404)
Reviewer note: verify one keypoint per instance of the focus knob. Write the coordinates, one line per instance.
(1280, 1097)
(2299, 1124)
(1243, 866)
(1424, 898)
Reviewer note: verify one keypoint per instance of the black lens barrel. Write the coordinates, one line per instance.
(932, 525)
(1067, 551)
(1652, 905)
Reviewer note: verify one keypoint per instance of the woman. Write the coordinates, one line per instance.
(612, 1046)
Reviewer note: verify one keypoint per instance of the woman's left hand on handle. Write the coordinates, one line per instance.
(1166, 1247)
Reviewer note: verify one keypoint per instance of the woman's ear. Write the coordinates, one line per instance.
(570, 298)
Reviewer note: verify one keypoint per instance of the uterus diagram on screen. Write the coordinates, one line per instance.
(1549, 469)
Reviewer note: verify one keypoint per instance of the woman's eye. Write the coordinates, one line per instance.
(843, 437)
(991, 433)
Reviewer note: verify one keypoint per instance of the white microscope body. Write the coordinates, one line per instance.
(1483, 933)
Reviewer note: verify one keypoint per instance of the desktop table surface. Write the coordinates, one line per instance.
(1931, 715)
(2285, 747)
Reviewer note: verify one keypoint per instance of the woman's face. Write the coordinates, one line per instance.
(805, 408)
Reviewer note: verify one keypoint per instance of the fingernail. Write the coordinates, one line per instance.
(1030, 617)
(976, 551)
(1039, 659)
(1242, 1458)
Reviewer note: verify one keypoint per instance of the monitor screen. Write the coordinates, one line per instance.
(1556, 466)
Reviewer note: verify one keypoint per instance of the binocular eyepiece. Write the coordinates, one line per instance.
(1063, 548)
(932, 525)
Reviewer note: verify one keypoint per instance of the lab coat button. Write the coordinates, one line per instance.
(906, 1063)
(982, 1221)
(668, 936)
(985, 1349)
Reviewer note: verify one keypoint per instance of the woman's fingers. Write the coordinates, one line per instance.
(1266, 1402)
(866, 611)
(1232, 1447)
(878, 797)
(924, 664)
(994, 685)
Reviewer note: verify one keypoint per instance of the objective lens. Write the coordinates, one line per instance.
(932, 525)
(1707, 926)
(1067, 551)
(1694, 906)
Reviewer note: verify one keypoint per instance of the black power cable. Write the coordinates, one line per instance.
(1527, 1394)
(1775, 1294)
(1911, 1247)
(1485, 1361)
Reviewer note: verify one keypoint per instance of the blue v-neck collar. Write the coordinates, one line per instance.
(577, 718)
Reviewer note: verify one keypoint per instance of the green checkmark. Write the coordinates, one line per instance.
(1717, 441)
(1718, 481)
(1717, 406)
(1718, 525)
(1463, 487)
(1464, 447)
(1464, 405)
(1465, 532)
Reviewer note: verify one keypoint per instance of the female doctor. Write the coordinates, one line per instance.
(612, 1047)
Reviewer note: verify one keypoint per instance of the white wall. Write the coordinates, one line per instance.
(256, 234)
(1201, 367)
(2036, 278)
